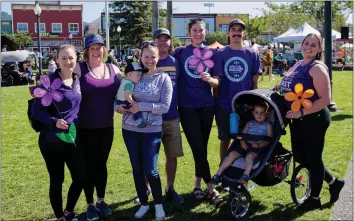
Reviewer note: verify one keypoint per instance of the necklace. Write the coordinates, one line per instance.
(90, 69)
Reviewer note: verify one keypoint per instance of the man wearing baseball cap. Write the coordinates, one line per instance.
(241, 66)
(171, 137)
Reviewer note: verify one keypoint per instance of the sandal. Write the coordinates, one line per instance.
(215, 198)
(198, 194)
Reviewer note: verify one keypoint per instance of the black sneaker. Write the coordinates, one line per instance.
(103, 208)
(310, 204)
(92, 213)
(70, 216)
(216, 179)
(172, 195)
(335, 189)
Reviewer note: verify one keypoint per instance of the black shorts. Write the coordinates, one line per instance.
(222, 118)
(236, 146)
(127, 104)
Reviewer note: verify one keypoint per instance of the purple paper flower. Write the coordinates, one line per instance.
(201, 60)
(49, 92)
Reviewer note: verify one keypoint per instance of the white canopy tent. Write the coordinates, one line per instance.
(288, 32)
(299, 34)
(347, 45)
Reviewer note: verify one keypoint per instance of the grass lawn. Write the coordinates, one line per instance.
(25, 180)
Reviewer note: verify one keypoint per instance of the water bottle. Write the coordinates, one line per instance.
(234, 118)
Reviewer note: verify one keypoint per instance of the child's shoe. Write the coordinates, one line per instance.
(144, 124)
(142, 211)
(244, 179)
(216, 179)
(159, 212)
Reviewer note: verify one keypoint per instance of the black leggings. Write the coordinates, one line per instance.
(55, 156)
(196, 124)
(307, 140)
(97, 145)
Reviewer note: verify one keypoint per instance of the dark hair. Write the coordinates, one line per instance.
(319, 54)
(252, 42)
(193, 22)
(263, 105)
(146, 44)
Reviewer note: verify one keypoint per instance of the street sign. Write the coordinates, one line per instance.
(209, 4)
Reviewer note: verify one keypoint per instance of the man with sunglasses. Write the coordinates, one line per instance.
(241, 67)
(171, 136)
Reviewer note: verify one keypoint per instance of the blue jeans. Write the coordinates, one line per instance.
(143, 149)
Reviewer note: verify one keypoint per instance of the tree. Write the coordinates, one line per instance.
(254, 26)
(136, 23)
(315, 11)
(176, 42)
(21, 39)
(211, 37)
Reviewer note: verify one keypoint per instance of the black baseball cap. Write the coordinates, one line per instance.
(237, 21)
(133, 66)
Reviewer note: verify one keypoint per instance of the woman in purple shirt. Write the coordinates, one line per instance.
(196, 106)
(99, 83)
(307, 92)
(58, 117)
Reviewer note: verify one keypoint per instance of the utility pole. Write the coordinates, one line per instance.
(155, 16)
(327, 30)
(107, 26)
(169, 19)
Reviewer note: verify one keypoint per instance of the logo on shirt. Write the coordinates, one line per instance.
(145, 88)
(236, 69)
(77, 88)
(191, 70)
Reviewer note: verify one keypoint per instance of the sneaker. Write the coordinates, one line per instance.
(92, 213)
(310, 204)
(70, 216)
(216, 179)
(63, 219)
(335, 189)
(171, 194)
(142, 211)
(159, 212)
(137, 200)
(103, 208)
(144, 124)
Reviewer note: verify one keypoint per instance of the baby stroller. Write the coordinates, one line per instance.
(270, 169)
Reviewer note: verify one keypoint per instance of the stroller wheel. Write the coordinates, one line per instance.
(300, 187)
(239, 204)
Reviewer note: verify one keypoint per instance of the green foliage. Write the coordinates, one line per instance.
(176, 42)
(137, 22)
(21, 39)
(254, 26)
(221, 37)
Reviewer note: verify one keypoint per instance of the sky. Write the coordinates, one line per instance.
(92, 10)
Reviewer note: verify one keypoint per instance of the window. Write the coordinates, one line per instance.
(223, 28)
(73, 27)
(207, 24)
(56, 28)
(41, 27)
(22, 27)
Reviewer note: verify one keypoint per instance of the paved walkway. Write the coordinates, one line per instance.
(343, 209)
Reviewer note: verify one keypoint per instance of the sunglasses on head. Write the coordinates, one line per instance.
(147, 43)
(196, 20)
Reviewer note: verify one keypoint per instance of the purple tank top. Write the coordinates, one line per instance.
(97, 99)
(301, 74)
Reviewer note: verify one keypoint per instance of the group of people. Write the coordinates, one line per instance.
(157, 93)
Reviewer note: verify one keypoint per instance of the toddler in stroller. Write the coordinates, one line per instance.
(249, 149)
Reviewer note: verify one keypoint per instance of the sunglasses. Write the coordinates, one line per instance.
(196, 20)
(147, 43)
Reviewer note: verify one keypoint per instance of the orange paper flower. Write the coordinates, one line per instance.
(299, 97)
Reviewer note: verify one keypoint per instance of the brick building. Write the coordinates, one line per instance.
(57, 22)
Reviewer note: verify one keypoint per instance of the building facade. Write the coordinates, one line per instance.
(6, 23)
(57, 24)
(222, 20)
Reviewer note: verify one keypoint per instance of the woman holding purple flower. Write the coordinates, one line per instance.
(56, 106)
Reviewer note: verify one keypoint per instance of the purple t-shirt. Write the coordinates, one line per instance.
(98, 97)
(68, 108)
(238, 69)
(301, 75)
(192, 90)
(169, 66)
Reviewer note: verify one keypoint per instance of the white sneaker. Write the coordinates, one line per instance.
(142, 211)
(159, 212)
